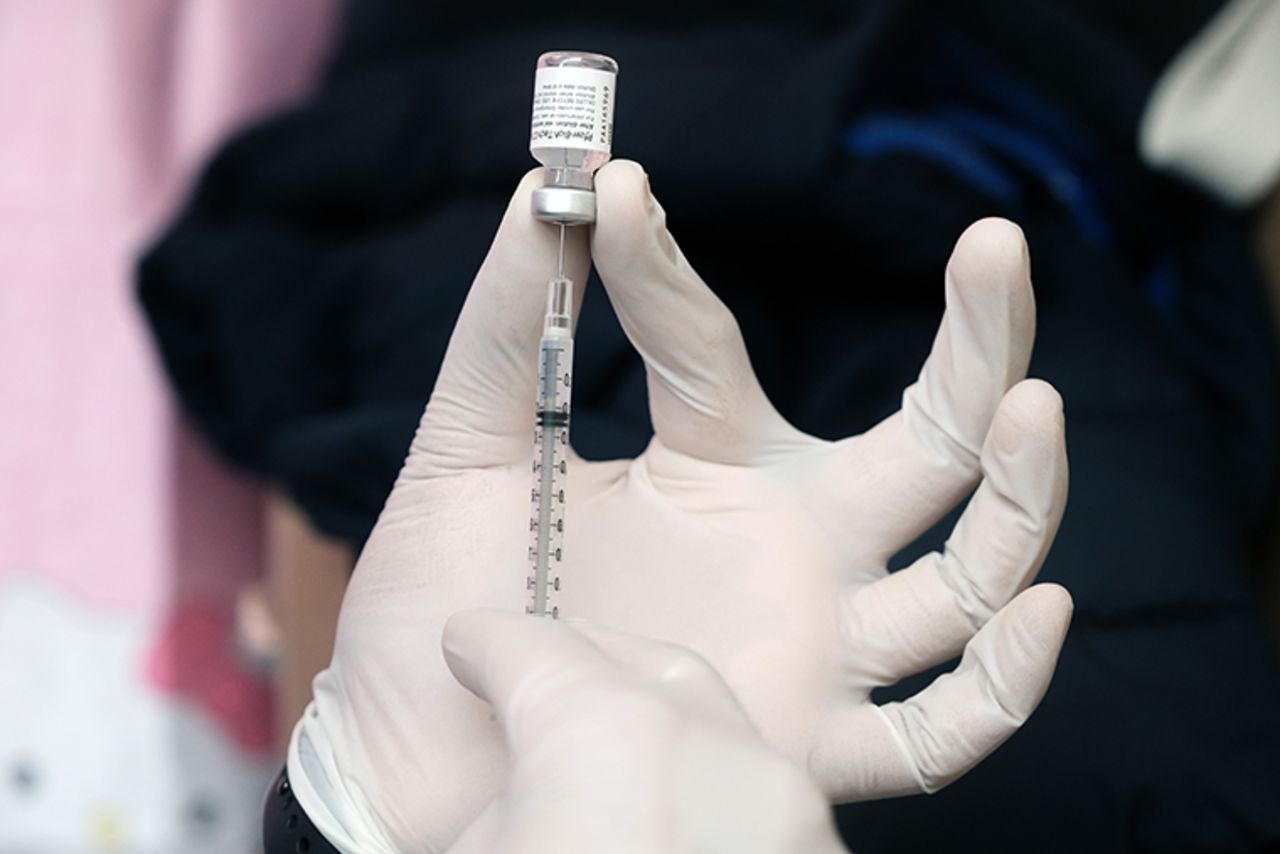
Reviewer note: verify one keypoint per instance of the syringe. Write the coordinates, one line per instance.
(571, 133)
(551, 445)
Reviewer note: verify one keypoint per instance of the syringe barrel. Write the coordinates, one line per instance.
(550, 472)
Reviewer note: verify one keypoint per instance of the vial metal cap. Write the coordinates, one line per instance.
(564, 205)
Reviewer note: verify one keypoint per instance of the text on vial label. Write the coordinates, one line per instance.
(572, 108)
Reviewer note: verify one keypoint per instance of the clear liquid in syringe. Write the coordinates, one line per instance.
(550, 454)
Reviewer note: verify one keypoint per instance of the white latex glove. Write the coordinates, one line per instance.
(623, 744)
(734, 534)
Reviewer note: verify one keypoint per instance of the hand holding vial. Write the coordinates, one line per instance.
(762, 549)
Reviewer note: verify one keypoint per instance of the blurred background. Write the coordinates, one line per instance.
(234, 236)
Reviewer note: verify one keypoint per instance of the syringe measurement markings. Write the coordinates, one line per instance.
(550, 421)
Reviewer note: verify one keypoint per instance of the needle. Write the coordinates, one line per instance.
(560, 267)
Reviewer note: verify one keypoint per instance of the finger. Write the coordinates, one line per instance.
(924, 614)
(525, 667)
(704, 397)
(685, 676)
(934, 737)
(481, 409)
(902, 475)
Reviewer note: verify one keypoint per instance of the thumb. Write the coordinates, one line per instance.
(525, 667)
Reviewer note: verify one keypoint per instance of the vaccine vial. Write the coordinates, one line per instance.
(571, 133)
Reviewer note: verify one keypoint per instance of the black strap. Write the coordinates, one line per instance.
(286, 829)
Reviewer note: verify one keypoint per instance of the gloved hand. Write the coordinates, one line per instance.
(734, 534)
(620, 743)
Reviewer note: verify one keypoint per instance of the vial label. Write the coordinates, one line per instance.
(572, 108)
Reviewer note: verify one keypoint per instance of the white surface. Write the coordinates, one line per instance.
(113, 765)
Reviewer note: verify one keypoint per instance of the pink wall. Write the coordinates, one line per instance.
(106, 109)
(123, 543)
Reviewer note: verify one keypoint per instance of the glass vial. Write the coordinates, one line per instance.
(571, 132)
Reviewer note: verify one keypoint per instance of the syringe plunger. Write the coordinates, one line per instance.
(559, 305)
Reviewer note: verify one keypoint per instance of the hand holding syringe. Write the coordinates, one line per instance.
(734, 534)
